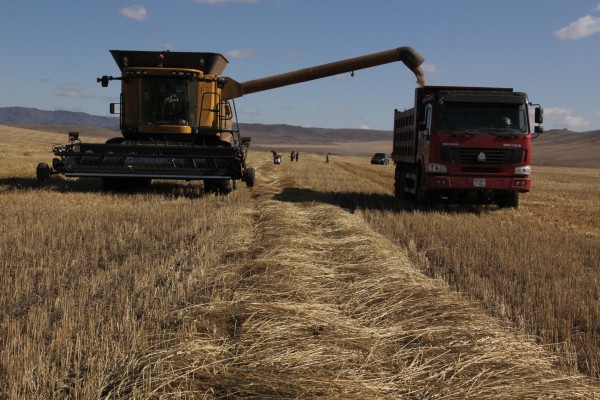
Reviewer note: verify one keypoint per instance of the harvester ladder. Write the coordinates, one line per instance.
(216, 111)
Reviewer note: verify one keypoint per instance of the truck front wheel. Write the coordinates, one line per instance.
(508, 200)
(425, 197)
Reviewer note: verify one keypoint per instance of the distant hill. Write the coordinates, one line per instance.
(263, 136)
(33, 116)
(558, 147)
(562, 147)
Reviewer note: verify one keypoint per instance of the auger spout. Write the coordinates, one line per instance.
(409, 56)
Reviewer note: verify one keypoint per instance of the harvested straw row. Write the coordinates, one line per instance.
(323, 307)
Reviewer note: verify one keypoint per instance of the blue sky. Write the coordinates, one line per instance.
(54, 50)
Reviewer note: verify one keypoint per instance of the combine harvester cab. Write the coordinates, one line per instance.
(177, 119)
(175, 124)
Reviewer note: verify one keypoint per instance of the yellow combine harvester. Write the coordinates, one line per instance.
(178, 120)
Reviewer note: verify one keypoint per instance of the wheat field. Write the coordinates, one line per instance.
(313, 284)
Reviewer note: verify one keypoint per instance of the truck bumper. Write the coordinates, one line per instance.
(519, 184)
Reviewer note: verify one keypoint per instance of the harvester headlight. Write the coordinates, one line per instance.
(524, 170)
(438, 168)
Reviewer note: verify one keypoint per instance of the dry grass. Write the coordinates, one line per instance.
(276, 292)
(536, 267)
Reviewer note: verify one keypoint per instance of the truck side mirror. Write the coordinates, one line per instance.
(538, 129)
(112, 108)
(539, 115)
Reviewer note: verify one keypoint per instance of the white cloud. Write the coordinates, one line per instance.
(245, 53)
(564, 118)
(251, 111)
(365, 126)
(72, 90)
(583, 27)
(135, 12)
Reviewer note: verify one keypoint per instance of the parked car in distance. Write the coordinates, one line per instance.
(380, 158)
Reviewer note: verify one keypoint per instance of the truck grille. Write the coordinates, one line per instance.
(481, 156)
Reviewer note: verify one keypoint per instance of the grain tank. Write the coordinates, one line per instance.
(178, 120)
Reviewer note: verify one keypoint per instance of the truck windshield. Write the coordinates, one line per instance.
(499, 119)
(164, 101)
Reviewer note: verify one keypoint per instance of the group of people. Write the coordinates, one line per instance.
(294, 155)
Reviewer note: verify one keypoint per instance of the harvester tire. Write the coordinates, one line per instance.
(250, 175)
(125, 184)
(42, 173)
(218, 186)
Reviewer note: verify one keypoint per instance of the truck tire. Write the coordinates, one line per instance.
(42, 173)
(399, 181)
(508, 200)
(423, 196)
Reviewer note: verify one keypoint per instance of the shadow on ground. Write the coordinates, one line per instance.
(352, 201)
(92, 185)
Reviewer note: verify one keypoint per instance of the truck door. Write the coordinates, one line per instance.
(425, 135)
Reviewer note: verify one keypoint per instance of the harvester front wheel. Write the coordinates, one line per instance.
(250, 175)
(43, 172)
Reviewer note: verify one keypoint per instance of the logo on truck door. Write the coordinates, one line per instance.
(481, 157)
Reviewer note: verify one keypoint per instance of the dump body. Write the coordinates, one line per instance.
(177, 119)
(463, 145)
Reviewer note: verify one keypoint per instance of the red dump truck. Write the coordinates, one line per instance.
(464, 145)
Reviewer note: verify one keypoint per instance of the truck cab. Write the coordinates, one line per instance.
(464, 145)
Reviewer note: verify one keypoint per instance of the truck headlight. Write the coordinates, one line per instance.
(524, 170)
(438, 168)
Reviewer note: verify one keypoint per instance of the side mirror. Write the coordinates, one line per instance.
(112, 108)
(227, 111)
(539, 115)
(103, 81)
(538, 129)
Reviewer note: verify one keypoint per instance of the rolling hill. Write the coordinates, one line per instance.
(558, 147)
